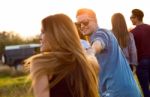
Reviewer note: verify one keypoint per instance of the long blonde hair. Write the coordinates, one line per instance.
(119, 28)
(65, 58)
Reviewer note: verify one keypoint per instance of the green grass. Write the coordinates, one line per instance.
(14, 84)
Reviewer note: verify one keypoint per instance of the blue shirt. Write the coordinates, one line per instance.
(116, 78)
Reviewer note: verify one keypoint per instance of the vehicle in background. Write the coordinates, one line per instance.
(14, 55)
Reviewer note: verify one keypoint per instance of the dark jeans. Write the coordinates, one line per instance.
(143, 73)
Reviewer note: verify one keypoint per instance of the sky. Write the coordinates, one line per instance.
(24, 16)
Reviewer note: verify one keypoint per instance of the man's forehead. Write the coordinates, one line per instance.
(82, 17)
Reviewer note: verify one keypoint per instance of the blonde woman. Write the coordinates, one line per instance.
(63, 69)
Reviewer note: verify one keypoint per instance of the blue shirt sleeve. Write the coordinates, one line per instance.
(102, 37)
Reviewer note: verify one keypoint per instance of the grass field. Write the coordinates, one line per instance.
(13, 84)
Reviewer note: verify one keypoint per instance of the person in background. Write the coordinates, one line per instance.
(141, 34)
(62, 69)
(125, 39)
(116, 78)
(83, 39)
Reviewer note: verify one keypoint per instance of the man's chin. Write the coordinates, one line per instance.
(84, 33)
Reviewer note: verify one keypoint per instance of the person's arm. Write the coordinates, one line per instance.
(41, 85)
(98, 46)
(133, 53)
(40, 88)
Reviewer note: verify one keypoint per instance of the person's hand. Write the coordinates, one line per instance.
(134, 69)
(97, 46)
